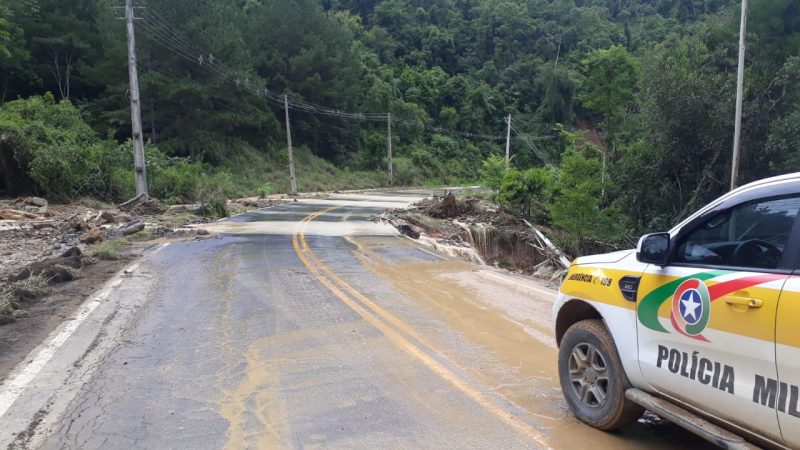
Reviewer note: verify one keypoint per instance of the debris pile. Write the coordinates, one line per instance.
(42, 244)
(479, 231)
(33, 231)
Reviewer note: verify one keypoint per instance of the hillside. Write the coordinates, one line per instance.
(653, 82)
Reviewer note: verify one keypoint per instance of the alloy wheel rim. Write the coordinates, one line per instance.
(588, 375)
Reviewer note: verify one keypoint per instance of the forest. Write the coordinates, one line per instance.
(622, 110)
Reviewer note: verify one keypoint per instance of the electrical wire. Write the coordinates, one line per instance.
(160, 31)
(536, 151)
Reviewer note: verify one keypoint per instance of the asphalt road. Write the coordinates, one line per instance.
(304, 326)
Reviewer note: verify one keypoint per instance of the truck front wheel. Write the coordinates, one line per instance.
(592, 377)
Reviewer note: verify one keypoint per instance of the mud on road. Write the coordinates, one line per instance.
(236, 342)
(507, 318)
(53, 257)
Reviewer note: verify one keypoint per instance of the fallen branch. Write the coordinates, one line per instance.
(13, 214)
(141, 198)
(132, 228)
(560, 257)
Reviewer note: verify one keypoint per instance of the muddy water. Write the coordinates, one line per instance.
(248, 405)
(518, 358)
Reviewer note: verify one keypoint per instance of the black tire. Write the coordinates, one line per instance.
(592, 378)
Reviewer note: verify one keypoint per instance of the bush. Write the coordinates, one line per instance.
(579, 208)
(527, 191)
(108, 250)
(6, 305)
(406, 173)
(173, 179)
(265, 190)
(492, 171)
(213, 193)
(60, 154)
(53, 145)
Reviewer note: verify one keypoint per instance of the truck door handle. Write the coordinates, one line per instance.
(744, 301)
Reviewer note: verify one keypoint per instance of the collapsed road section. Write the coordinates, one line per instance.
(468, 227)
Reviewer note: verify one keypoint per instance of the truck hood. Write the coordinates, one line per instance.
(605, 258)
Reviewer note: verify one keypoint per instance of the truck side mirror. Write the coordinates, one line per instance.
(653, 249)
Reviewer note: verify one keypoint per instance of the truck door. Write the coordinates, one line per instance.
(783, 395)
(706, 320)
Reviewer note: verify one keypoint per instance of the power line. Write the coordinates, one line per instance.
(166, 37)
(181, 46)
(536, 151)
(241, 108)
(160, 31)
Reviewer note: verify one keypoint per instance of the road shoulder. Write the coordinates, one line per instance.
(38, 390)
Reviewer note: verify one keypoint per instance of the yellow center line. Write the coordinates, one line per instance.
(337, 286)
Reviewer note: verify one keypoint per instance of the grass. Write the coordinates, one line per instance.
(29, 288)
(147, 233)
(108, 250)
(6, 306)
(254, 169)
(250, 172)
(180, 219)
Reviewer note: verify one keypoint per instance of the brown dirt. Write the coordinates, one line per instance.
(515, 331)
(44, 314)
(500, 239)
(36, 246)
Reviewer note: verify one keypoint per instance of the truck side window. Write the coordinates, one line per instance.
(750, 235)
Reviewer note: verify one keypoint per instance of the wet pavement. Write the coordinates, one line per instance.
(308, 325)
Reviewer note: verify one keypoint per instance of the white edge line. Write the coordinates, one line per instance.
(35, 361)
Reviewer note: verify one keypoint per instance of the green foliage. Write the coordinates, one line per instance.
(213, 193)
(406, 173)
(56, 149)
(579, 207)
(6, 305)
(649, 85)
(526, 192)
(265, 190)
(108, 250)
(609, 79)
(493, 170)
(13, 294)
(29, 288)
(782, 143)
(5, 33)
(175, 180)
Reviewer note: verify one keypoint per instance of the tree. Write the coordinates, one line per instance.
(609, 78)
(14, 57)
(47, 147)
(578, 207)
(526, 191)
(493, 171)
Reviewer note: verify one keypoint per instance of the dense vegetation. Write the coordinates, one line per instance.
(648, 86)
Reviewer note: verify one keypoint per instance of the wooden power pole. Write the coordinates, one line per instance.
(292, 178)
(737, 127)
(389, 147)
(139, 166)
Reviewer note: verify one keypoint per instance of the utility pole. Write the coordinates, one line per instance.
(292, 179)
(737, 129)
(139, 166)
(508, 143)
(389, 147)
(603, 176)
(558, 52)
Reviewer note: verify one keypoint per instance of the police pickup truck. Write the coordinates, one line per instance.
(700, 325)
